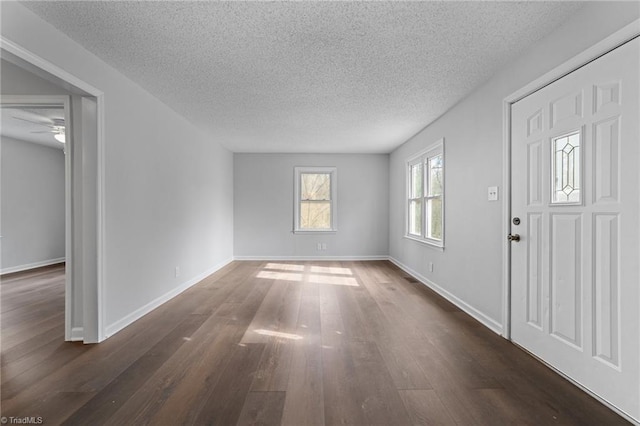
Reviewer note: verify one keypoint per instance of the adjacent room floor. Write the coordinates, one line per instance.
(309, 343)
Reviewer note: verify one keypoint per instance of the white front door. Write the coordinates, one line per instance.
(575, 298)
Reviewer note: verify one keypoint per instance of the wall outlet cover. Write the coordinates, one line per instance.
(492, 193)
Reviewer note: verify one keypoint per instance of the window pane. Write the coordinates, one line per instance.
(416, 180)
(566, 169)
(315, 215)
(434, 215)
(315, 186)
(435, 175)
(415, 217)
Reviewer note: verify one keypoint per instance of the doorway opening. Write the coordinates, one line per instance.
(37, 87)
(35, 200)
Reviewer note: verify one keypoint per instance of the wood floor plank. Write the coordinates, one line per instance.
(99, 364)
(273, 370)
(15, 336)
(151, 397)
(110, 398)
(393, 344)
(309, 320)
(328, 300)
(304, 403)
(425, 408)
(226, 400)
(22, 374)
(246, 279)
(188, 394)
(35, 342)
(379, 399)
(262, 408)
(356, 327)
(247, 309)
(342, 402)
(278, 313)
(341, 343)
(55, 408)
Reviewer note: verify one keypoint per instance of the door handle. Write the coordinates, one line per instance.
(514, 237)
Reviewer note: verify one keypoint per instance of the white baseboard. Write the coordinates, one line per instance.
(77, 334)
(28, 266)
(488, 322)
(311, 258)
(113, 328)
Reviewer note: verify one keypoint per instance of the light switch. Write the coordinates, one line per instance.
(493, 193)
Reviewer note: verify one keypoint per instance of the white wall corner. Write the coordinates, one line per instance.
(484, 319)
(118, 325)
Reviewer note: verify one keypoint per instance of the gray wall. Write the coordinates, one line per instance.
(470, 268)
(263, 188)
(168, 187)
(32, 200)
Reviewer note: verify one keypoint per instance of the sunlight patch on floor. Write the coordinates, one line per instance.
(271, 333)
(328, 279)
(285, 267)
(331, 270)
(272, 275)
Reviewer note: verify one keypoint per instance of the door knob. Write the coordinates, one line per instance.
(514, 237)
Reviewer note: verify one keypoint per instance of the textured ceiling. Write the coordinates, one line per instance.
(307, 76)
(32, 124)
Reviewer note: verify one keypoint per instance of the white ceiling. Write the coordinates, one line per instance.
(28, 124)
(308, 76)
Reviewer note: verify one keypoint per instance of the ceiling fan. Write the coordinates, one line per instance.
(56, 126)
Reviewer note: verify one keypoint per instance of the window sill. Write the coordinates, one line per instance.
(435, 245)
(312, 232)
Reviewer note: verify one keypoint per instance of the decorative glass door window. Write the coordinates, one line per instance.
(566, 169)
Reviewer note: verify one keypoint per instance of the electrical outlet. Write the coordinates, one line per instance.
(177, 271)
(492, 193)
(324, 246)
(430, 266)
(319, 246)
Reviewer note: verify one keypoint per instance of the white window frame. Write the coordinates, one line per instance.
(333, 177)
(433, 150)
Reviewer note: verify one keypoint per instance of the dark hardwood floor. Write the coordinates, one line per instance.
(313, 343)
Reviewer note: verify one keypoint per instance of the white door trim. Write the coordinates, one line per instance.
(615, 40)
(43, 64)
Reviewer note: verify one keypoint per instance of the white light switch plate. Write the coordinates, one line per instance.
(492, 193)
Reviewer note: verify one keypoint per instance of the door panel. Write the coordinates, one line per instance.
(566, 266)
(575, 271)
(605, 294)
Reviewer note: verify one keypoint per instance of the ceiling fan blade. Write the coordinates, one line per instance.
(34, 122)
(45, 131)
